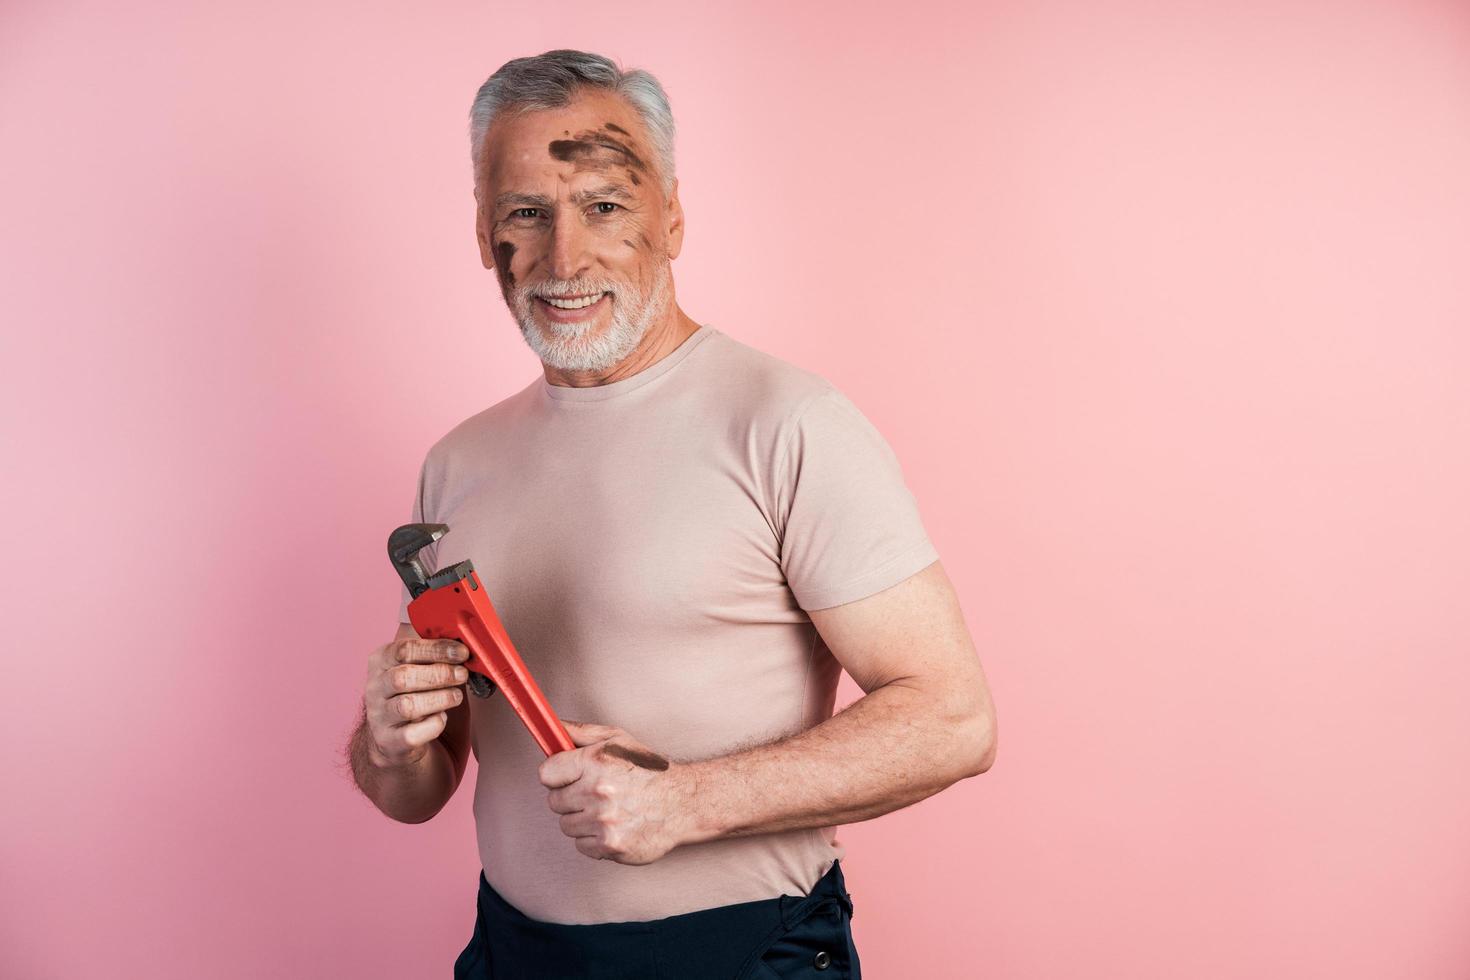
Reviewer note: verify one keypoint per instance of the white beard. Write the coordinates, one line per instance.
(576, 346)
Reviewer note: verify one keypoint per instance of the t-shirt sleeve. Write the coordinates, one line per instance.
(851, 527)
(426, 554)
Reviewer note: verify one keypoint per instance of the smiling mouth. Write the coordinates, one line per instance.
(571, 302)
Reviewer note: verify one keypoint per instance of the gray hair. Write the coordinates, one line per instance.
(551, 80)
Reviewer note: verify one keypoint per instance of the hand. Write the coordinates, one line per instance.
(618, 798)
(411, 685)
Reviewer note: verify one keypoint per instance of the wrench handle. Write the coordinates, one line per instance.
(461, 610)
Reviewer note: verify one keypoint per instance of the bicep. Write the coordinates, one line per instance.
(912, 634)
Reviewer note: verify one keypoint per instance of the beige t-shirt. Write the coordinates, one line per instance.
(651, 546)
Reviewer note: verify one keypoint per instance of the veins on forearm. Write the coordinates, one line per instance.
(887, 750)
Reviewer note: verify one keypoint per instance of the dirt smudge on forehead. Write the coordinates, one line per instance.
(592, 149)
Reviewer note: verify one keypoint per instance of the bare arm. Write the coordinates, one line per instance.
(411, 745)
(926, 721)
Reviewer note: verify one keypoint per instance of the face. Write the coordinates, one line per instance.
(573, 219)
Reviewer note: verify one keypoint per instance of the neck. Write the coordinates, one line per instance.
(663, 336)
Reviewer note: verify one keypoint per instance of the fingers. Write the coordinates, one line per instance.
(560, 801)
(427, 652)
(580, 824)
(417, 705)
(405, 743)
(585, 733)
(423, 732)
(411, 692)
(404, 678)
(411, 686)
(561, 769)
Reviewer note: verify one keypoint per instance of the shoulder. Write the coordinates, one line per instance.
(470, 438)
(796, 415)
(767, 388)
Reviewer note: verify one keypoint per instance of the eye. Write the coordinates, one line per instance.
(522, 212)
(605, 204)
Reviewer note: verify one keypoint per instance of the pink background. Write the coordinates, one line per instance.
(1162, 305)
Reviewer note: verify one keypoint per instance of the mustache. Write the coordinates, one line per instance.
(565, 288)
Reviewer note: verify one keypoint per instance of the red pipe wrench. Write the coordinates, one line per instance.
(451, 603)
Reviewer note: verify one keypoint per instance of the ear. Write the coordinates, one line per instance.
(482, 233)
(674, 222)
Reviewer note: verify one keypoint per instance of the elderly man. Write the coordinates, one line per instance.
(688, 539)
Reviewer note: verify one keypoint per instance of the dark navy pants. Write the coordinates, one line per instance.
(808, 936)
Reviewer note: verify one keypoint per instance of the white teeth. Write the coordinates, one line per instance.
(572, 304)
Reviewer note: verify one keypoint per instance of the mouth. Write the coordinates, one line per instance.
(570, 309)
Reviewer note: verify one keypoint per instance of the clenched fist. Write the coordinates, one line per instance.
(411, 685)
(618, 799)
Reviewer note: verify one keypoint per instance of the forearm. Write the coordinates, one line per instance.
(885, 751)
(410, 793)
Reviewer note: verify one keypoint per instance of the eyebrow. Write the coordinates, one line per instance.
(542, 201)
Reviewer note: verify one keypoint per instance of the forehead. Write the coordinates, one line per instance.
(597, 131)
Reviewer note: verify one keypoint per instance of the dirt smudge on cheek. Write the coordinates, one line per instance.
(504, 252)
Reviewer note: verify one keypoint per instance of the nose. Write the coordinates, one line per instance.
(570, 245)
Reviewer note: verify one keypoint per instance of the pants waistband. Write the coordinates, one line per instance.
(789, 908)
(726, 941)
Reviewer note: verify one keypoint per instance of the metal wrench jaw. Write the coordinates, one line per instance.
(404, 545)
